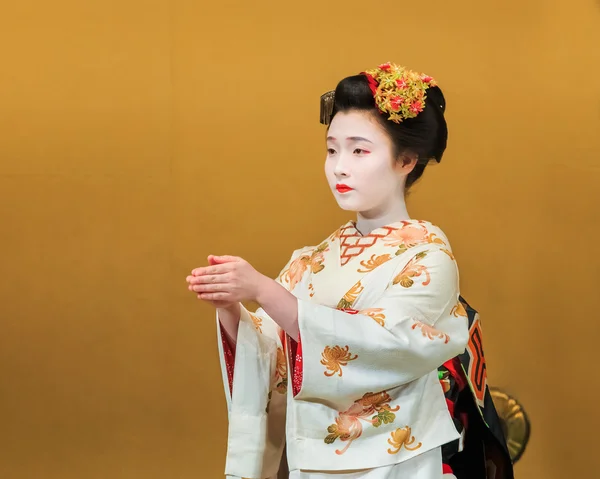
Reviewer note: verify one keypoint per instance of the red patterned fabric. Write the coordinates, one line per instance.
(295, 360)
(229, 355)
(353, 244)
(297, 378)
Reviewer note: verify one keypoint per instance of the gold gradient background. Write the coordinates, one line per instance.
(137, 137)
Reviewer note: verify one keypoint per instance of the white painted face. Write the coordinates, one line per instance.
(360, 167)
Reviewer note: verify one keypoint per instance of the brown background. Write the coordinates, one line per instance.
(136, 137)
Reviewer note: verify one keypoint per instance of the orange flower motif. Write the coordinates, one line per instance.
(413, 270)
(375, 314)
(257, 321)
(295, 272)
(376, 400)
(409, 235)
(293, 275)
(373, 263)
(350, 297)
(348, 426)
(402, 437)
(459, 310)
(334, 358)
(430, 332)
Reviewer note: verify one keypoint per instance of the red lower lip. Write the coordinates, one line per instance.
(343, 189)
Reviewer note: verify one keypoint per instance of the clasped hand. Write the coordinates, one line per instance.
(227, 279)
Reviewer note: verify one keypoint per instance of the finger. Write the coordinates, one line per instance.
(207, 288)
(225, 259)
(215, 269)
(211, 279)
(214, 296)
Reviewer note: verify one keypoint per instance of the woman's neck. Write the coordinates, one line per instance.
(367, 222)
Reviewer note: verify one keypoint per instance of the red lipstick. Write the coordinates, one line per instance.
(342, 188)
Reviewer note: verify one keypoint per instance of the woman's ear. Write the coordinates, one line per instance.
(406, 163)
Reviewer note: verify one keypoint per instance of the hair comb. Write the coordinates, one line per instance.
(327, 102)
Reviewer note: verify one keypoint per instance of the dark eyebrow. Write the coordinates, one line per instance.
(358, 138)
(352, 138)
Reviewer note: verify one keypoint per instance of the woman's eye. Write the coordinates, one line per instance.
(330, 151)
(359, 151)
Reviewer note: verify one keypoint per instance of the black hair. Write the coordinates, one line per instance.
(424, 136)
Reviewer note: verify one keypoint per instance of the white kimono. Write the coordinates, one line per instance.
(378, 314)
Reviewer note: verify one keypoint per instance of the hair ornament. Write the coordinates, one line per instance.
(327, 102)
(399, 92)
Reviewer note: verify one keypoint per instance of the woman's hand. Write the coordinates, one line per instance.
(213, 280)
(227, 280)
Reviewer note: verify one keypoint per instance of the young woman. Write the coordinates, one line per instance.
(342, 360)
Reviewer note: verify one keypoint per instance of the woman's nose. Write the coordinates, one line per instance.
(341, 167)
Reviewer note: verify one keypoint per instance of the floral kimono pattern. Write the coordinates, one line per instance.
(359, 388)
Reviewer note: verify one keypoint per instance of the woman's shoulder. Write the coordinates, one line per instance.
(429, 229)
(410, 233)
(422, 239)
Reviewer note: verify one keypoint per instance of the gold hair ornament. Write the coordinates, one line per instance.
(398, 92)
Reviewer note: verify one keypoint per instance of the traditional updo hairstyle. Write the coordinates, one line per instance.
(423, 137)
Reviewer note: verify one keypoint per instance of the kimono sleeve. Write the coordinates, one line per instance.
(412, 329)
(259, 329)
(255, 379)
(257, 399)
